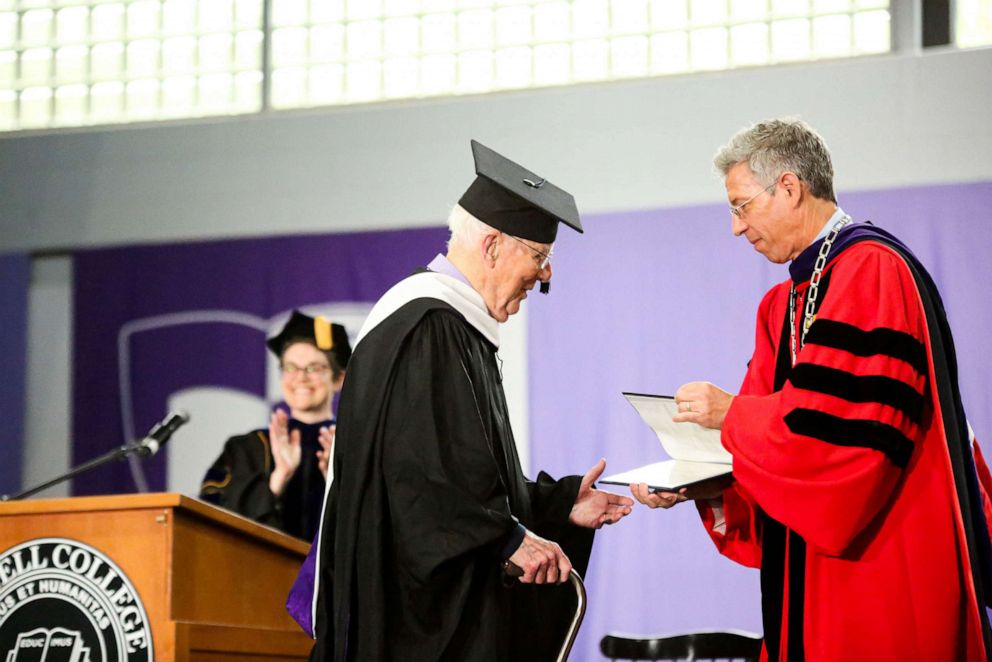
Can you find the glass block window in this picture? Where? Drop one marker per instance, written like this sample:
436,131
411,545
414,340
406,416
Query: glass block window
348,51
972,23
78,62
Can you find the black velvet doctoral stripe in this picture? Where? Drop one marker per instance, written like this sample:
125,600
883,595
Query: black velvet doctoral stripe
854,388
883,341
851,432
795,648
772,584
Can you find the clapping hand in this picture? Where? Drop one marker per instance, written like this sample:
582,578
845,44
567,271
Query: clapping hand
326,439
286,451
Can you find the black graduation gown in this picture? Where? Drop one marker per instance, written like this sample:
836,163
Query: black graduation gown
427,490
239,480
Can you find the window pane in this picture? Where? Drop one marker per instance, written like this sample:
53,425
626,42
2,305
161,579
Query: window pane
362,81
707,12
142,18
790,39
973,23
71,105
438,33
327,43
142,58
107,22
437,74
513,26
670,52
36,27
590,18
590,60
475,71
401,36
629,16
70,25
551,21
147,59
289,87
708,48
400,77
364,40
552,64
8,29
832,35
668,15
748,10
629,56
8,69
107,102
749,44
871,32
36,107
141,99
36,66
513,67
475,29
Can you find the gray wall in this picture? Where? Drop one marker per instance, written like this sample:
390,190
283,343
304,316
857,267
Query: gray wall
891,121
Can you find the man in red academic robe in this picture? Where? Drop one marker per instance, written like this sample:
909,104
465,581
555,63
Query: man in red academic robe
855,485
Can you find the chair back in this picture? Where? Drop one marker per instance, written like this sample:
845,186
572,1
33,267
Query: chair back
692,646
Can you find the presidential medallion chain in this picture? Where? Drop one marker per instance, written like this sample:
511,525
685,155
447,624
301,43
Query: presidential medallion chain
814,284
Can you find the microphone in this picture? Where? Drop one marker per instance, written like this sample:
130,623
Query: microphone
161,432
545,286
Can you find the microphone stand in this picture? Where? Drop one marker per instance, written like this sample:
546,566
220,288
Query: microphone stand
116,454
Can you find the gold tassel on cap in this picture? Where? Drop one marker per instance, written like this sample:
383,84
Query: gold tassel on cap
322,333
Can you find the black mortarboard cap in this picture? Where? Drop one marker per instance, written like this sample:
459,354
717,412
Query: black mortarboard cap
325,335
511,198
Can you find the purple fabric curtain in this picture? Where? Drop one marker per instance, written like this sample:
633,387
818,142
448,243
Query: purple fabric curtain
258,277
646,301
15,274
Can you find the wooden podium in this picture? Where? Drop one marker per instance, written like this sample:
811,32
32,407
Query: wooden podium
213,584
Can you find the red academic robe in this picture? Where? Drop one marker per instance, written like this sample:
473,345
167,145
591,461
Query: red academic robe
844,493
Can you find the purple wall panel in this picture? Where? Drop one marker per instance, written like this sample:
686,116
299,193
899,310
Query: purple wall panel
15,274
645,301
259,277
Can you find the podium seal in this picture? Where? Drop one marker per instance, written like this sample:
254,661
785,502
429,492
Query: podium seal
65,601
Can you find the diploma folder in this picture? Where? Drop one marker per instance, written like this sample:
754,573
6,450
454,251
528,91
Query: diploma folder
696,452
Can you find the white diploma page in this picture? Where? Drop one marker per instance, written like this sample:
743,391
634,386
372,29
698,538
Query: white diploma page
696,452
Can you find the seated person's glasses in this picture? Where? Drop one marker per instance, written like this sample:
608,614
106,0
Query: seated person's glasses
290,369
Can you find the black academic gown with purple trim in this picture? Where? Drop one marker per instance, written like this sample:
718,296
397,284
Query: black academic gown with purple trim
428,489
239,481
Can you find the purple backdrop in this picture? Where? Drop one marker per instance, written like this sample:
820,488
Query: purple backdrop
260,277
15,273
646,301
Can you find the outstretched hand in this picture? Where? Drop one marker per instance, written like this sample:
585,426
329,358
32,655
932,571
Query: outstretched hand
705,490
593,508
652,499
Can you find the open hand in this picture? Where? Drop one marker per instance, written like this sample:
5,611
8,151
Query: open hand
593,508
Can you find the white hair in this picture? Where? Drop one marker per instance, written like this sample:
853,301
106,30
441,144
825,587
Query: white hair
465,228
